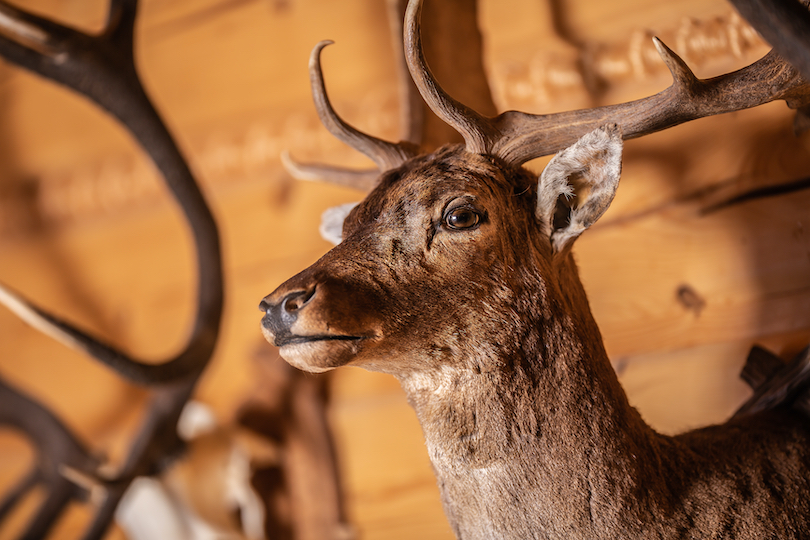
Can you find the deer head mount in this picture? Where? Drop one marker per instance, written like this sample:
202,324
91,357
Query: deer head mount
455,274
433,226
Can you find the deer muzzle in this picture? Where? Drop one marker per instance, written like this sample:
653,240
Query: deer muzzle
303,323
281,315
287,323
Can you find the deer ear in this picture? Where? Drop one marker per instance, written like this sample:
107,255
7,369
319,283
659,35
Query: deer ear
332,219
578,185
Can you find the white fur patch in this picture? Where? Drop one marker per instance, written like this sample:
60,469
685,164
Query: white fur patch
332,219
196,419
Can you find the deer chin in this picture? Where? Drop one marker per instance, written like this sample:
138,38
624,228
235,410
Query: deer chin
317,353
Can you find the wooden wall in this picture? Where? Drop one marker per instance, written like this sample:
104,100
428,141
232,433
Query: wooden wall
681,288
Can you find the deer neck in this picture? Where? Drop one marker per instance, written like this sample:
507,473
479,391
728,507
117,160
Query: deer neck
543,440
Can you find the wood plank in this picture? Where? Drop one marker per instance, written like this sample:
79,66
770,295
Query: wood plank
389,482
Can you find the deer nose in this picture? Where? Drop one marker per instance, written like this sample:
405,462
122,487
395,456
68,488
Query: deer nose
282,315
296,300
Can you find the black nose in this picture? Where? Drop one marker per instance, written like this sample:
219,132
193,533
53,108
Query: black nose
281,316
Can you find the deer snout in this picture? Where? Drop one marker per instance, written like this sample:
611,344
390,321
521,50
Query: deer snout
281,315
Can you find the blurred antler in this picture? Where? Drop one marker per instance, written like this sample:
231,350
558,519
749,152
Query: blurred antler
66,458
102,68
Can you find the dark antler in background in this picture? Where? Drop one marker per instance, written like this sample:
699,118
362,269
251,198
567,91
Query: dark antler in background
102,68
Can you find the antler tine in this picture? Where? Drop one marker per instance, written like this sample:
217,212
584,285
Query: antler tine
412,121
525,136
478,131
30,31
361,179
682,76
18,491
102,68
120,27
74,338
385,154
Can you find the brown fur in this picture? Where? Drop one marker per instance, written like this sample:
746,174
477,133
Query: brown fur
490,334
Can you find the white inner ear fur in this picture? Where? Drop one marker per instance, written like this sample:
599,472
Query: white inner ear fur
332,219
589,170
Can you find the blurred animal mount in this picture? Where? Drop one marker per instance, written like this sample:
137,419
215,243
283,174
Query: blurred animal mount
455,275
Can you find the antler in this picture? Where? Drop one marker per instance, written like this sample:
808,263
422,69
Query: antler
518,137
472,126
102,68
391,154
385,154
66,456
362,179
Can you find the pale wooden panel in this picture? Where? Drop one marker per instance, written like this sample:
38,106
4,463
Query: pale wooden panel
389,483
748,264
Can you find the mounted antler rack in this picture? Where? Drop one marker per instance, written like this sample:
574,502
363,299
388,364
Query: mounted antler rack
102,68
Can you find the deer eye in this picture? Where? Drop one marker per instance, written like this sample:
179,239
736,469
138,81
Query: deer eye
462,217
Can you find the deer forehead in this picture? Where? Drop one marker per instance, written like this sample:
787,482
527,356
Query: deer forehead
416,194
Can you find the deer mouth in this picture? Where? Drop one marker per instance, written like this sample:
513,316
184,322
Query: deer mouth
291,339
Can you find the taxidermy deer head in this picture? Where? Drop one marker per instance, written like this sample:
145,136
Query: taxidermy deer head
455,275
